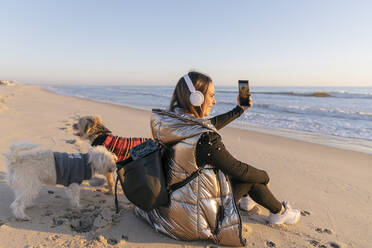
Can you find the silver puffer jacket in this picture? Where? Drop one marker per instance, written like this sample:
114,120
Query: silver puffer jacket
204,208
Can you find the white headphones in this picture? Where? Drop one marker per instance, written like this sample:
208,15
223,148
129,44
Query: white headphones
196,97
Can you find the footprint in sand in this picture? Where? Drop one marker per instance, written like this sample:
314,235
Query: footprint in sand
67,126
305,213
53,237
331,244
314,242
323,230
112,241
73,141
67,122
77,142
270,244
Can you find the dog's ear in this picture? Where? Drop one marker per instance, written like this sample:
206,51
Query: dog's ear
89,124
97,120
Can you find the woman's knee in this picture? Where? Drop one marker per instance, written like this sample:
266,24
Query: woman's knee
267,178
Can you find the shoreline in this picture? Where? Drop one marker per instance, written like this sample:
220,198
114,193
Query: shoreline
331,186
349,144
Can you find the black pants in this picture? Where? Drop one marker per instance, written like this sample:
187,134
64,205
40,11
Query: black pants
260,193
245,179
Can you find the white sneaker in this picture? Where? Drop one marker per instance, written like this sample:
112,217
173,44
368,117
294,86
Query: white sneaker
246,203
289,216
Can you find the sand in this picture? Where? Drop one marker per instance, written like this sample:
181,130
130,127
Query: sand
331,186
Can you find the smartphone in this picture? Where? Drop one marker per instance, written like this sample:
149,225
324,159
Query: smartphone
244,92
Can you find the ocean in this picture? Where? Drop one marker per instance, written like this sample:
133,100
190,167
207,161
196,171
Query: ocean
335,116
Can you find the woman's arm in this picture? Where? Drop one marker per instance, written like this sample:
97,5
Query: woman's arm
211,150
220,121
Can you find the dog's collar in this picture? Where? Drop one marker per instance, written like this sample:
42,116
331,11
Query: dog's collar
99,140
99,131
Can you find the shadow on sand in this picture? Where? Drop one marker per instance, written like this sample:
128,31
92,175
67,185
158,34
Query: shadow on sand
52,213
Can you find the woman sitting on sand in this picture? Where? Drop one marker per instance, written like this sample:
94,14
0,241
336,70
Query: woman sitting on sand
212,180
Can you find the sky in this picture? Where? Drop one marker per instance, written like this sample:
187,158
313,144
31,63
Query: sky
271,43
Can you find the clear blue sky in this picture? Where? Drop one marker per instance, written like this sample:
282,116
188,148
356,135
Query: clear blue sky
297,42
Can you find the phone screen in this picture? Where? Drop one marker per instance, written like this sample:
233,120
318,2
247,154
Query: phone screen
244,92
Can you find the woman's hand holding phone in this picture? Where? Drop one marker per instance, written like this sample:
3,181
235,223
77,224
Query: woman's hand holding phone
242,106
244,98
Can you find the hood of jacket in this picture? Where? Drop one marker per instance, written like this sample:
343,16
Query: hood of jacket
172,127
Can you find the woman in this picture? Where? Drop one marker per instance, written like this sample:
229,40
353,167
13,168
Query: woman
209,180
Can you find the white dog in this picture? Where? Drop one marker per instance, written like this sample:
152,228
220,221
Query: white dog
28,169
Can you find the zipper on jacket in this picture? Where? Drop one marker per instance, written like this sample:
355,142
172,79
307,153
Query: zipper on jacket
243,241
221,210
218,220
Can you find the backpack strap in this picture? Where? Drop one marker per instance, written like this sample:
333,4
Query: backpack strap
188,179
119,166
116,195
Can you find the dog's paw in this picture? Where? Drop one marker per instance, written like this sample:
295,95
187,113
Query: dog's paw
109,192
22,217
19,213
96,182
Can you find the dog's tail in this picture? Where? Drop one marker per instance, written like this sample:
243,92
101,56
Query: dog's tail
12,157
16,148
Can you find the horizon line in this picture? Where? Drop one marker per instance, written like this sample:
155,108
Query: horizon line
217,85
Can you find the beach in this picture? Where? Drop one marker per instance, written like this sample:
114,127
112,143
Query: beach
331,186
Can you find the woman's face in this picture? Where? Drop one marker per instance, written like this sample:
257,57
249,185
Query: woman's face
209,100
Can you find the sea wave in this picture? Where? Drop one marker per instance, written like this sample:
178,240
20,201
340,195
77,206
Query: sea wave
115,91
306,110
335,113
286,93
226,91
337,94
290,93
140,92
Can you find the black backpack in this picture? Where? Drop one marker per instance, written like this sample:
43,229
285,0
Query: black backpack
142,176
